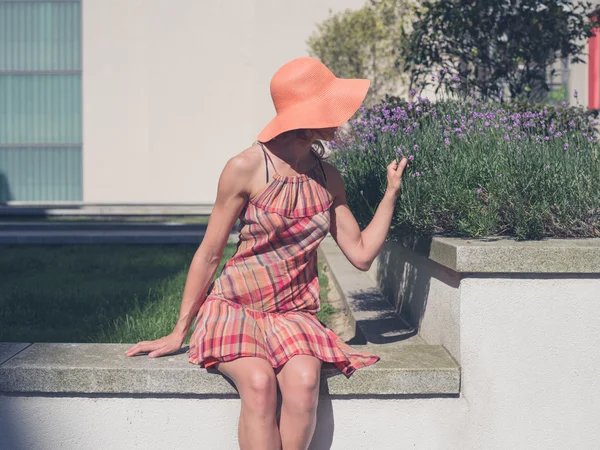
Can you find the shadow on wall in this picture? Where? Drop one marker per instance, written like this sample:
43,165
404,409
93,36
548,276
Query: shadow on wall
323,436
13,427
5,193
404,274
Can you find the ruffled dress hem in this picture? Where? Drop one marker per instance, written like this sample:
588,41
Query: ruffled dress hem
345,366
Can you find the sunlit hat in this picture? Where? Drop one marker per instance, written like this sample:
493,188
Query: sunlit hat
307,95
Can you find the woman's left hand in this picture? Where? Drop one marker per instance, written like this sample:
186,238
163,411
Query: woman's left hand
394,175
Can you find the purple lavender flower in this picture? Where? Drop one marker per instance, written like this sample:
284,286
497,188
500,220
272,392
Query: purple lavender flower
547,138
417,174
507,137
411,158
499,175
411,92
419,109
547,166
575,93
415,125
479,190
566,147
487,123
416,148
455,78
447,142
445,70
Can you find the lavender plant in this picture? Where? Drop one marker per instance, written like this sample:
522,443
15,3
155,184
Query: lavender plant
476,168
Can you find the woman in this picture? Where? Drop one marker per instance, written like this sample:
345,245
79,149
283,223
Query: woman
256,323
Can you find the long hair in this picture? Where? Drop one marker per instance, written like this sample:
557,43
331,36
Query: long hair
317,147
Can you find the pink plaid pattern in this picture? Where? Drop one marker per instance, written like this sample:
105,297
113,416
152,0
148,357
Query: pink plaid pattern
264,302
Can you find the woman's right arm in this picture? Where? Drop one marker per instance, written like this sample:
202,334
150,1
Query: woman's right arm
232,195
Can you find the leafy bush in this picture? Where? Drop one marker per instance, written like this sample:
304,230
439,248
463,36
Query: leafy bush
365,43
476,168
495,44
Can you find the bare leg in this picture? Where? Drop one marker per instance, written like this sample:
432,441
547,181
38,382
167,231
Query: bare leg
257,385
299,381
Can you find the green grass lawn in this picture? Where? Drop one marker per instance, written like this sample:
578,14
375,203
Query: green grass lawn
96,293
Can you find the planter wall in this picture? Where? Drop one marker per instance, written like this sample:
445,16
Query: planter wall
522,318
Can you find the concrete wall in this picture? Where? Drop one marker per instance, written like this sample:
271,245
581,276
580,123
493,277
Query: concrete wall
530,361
527,344
79,423
425,293
171,90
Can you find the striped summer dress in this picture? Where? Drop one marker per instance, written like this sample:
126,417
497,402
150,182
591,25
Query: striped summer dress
264,302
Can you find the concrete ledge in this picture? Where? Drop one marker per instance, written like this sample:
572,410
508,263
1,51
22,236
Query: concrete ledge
503,255
51,368
374,317
82,209
10,349
386,333
71,233
81,233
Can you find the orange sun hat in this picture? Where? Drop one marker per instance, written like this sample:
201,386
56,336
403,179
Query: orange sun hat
306,94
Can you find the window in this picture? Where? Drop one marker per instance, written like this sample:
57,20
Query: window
559,82
40,101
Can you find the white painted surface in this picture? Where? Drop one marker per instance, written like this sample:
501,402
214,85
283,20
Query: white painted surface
528,347
172,90
43,423
530,360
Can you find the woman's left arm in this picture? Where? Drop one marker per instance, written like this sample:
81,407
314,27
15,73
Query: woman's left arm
361,248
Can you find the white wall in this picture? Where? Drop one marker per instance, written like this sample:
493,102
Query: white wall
530,362
528,346
49,423
171,90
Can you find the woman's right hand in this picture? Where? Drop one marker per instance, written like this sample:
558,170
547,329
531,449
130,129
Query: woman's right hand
171,343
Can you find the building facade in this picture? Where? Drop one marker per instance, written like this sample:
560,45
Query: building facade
144,101
138,101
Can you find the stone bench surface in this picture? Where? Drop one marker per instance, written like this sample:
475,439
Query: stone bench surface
409,369
505,255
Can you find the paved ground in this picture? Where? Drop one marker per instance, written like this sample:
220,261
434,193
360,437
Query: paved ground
100,210
65,233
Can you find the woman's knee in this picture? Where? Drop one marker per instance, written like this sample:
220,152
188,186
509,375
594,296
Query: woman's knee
259,391
302,389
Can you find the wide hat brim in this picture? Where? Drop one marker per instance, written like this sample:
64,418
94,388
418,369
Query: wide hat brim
332,108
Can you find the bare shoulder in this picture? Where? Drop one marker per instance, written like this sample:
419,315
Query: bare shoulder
241,169
244,163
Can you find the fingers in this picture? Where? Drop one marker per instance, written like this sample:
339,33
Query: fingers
156,353
143,347
399,167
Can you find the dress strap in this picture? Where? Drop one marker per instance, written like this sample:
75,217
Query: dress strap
266,163
322,169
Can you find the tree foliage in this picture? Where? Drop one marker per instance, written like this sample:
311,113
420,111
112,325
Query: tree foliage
492,44
365,43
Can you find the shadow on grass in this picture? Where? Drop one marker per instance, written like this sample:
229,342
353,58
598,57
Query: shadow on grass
95,293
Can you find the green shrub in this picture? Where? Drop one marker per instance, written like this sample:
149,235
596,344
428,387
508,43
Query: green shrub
477,169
